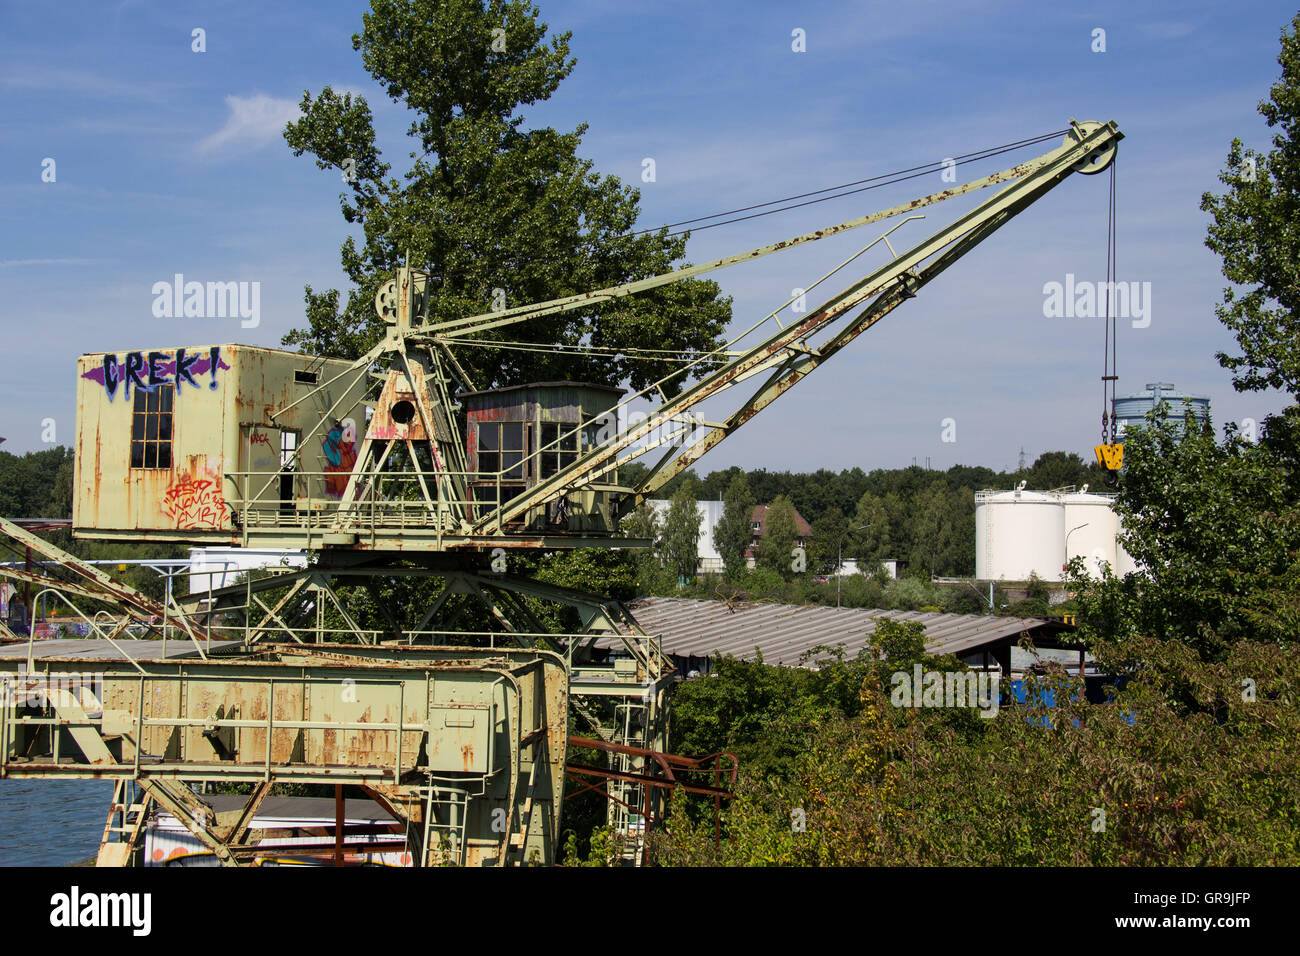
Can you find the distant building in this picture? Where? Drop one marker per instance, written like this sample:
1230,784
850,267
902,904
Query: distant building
850,566
758,528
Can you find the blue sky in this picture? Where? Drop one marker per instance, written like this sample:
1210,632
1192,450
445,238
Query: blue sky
170,161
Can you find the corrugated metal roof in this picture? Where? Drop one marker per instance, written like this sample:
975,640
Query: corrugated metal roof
784,632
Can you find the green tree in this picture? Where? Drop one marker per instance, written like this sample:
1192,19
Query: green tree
934,544
681,537
780,531
900,525
829,532
37,484
871,543
734,530
1251,231
644,523
1216,529
489,204
609,572
1056,469
62,489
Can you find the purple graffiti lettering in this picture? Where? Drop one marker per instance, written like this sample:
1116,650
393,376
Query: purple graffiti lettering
158,373
181,367
148,374
112,375
134,366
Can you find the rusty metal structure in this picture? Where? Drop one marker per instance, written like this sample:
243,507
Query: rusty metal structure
407,657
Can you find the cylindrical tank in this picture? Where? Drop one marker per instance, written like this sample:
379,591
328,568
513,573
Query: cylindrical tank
1131,410
1090,528
1018,533
1124,562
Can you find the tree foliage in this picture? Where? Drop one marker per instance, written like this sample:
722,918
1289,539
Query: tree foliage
830,533
489,203
1215,528
37,484
1252,233
681,536
734,530
1067,784
780,530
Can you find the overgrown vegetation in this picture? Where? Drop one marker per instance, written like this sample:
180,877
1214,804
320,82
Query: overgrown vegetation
1195,757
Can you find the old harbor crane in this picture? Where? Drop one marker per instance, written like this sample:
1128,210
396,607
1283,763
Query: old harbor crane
452,712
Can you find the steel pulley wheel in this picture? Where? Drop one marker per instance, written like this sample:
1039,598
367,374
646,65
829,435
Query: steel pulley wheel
386,301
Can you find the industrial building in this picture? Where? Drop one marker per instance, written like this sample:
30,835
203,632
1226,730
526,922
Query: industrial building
214,568
1021,532
694,632
168,439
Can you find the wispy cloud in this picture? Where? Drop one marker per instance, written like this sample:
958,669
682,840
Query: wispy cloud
81,83
15,263
253,121
1173,29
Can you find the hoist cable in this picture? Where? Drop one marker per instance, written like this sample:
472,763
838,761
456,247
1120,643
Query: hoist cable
876,182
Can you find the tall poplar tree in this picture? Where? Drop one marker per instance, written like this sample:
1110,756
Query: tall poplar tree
734,530
681,536
500,213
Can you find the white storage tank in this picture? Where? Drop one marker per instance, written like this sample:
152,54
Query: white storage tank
1018,533
1124,562
1090,526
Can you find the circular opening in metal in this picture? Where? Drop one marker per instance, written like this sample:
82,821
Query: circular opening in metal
402,412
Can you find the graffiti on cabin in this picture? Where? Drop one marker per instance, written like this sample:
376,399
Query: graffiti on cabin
194,503
149,370
340,449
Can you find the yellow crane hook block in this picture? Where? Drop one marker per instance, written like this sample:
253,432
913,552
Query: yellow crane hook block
1110,457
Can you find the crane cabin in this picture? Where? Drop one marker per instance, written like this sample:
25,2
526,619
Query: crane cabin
520,435
169,440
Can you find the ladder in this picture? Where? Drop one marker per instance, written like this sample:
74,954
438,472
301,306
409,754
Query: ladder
629,808
444,826
126,817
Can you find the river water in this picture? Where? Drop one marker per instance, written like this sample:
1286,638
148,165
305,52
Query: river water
51,822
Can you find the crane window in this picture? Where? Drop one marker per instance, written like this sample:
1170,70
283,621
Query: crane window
558,448
151,428
501,448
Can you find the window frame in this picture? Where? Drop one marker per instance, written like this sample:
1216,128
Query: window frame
551,460
153,414
501,456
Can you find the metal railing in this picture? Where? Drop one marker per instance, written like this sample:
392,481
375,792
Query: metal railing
387,500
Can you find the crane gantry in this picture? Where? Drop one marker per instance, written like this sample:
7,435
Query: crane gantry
417,402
